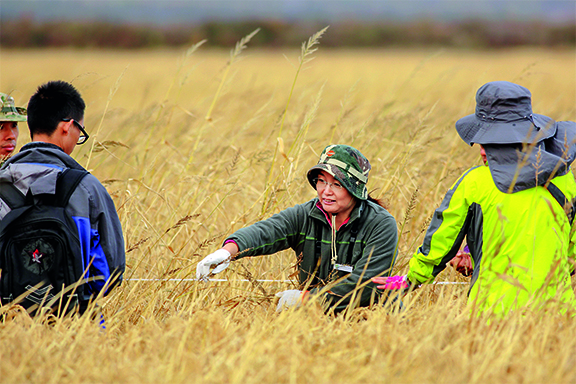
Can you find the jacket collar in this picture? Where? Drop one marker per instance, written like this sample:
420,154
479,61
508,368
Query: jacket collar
41,152
318,213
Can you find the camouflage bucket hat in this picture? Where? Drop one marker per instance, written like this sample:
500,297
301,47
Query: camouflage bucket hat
347,165
9,112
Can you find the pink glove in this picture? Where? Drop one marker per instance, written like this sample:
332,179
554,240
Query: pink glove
392,282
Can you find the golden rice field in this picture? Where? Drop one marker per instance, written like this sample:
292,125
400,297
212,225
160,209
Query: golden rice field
182,182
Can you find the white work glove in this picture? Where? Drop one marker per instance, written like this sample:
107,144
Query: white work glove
288,299
220,258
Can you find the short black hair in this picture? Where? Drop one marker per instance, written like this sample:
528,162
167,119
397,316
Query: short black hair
53,102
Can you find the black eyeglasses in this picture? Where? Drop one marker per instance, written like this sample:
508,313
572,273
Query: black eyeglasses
83,134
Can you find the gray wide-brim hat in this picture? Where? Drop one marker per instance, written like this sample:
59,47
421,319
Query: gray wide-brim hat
504,116
347,165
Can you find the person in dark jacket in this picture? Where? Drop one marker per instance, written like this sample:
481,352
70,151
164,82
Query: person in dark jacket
55,120
342,238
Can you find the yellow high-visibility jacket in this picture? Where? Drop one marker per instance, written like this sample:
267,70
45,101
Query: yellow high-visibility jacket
521,243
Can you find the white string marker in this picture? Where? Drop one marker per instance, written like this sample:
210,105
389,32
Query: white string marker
179,280
269,281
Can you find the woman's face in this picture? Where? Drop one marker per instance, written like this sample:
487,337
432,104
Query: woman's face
335,199
8,137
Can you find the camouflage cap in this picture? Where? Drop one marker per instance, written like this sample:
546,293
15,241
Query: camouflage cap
347,165
9,112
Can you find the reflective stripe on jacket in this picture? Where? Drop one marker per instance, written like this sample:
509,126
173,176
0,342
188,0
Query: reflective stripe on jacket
520,243
295,227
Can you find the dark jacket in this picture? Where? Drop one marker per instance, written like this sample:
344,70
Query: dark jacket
35,168
304,226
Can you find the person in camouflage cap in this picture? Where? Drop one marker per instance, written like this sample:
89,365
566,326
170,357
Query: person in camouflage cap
341,238
10,116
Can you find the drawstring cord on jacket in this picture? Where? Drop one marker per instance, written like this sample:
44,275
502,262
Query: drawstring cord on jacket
333,241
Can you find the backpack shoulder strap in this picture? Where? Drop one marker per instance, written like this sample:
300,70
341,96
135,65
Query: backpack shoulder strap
66,184
12,195
568,206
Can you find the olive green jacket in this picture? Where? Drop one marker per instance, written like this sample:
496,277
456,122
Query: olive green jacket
305,226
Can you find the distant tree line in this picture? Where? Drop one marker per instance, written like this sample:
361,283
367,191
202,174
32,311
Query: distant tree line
26,33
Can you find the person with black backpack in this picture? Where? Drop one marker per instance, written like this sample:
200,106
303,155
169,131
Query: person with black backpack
61,241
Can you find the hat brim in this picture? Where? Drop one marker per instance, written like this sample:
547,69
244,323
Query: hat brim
476,131
359,191
17,114
313,173
13,118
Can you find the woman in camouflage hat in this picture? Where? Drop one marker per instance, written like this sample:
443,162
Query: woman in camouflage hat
341,238
9,118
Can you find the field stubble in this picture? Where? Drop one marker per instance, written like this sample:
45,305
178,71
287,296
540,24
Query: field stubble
182,182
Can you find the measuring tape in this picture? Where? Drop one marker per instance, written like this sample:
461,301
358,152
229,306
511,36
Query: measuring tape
179,280
268,281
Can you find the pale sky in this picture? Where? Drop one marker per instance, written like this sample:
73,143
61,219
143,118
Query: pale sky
174,11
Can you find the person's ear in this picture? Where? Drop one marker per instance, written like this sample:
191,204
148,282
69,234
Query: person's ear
65,126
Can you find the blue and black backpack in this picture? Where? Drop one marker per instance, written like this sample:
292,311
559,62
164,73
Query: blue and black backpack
40,252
